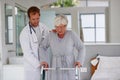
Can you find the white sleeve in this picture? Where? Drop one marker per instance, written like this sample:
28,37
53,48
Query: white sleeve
28,53
43,49
45,31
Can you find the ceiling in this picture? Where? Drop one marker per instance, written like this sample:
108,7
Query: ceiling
45,2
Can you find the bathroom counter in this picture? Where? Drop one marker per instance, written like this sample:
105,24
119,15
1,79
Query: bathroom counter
13,72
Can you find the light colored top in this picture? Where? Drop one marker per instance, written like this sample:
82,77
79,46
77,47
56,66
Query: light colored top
63,54
63,46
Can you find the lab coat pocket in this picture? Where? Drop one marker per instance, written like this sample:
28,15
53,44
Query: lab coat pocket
35,44
34,38
35,48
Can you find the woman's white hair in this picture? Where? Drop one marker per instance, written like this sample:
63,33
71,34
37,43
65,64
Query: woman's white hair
61,19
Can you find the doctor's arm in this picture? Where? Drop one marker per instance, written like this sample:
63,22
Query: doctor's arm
28,52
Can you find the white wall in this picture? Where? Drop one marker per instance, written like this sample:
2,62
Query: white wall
47,17
1,43
2,26
0,34
115,21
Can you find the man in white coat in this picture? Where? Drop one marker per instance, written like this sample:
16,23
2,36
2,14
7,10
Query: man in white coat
30,40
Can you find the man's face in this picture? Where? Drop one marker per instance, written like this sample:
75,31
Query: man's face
34,19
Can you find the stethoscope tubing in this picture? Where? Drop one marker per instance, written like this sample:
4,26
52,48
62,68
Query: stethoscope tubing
31,28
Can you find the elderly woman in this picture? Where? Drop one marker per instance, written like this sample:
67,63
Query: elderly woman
62,43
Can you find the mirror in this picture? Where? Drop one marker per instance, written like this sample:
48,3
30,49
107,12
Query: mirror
8,24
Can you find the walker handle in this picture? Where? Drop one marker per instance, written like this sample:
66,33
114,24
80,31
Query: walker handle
42,68
76,73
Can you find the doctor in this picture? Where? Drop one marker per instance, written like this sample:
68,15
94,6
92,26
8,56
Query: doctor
30,39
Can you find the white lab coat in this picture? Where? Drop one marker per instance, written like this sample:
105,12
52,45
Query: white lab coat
29,44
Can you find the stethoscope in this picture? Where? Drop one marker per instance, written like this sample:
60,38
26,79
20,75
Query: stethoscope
35,39
31,28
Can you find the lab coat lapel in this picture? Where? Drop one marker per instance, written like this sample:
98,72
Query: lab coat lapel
34,37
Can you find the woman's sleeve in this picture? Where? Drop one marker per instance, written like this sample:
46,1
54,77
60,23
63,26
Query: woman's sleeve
43,49
78,44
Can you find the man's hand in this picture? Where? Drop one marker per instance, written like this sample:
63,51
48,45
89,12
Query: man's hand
54,30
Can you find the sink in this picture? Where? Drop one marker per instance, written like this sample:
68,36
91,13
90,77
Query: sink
16,60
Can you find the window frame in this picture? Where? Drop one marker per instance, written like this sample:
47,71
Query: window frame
93,27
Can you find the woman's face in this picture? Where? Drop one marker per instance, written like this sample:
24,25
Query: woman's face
61,29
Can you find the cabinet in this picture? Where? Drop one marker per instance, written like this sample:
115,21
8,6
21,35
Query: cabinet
13,72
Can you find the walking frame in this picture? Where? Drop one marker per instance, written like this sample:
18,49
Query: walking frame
77,71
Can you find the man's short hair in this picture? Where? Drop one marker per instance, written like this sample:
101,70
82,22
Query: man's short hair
33,10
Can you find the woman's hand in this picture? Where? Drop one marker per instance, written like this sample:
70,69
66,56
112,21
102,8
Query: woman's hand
44,64
78,64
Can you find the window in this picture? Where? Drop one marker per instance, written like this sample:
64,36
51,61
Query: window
9,24
93,26
69,26
93,3
10,29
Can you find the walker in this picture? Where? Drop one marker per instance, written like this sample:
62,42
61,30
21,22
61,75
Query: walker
77,71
